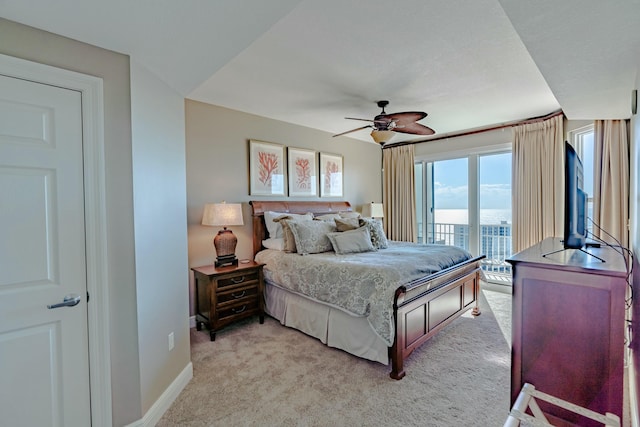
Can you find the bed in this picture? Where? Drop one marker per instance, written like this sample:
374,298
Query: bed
418,307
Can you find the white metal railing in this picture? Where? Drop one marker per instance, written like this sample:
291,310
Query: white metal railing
495,243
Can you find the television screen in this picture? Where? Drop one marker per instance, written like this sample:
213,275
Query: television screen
575,201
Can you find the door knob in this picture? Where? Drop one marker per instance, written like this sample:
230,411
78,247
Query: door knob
68,301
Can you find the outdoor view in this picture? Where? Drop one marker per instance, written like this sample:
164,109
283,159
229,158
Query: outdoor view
449,185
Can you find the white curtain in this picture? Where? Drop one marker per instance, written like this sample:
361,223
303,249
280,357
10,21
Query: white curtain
611,181
538,182
399,194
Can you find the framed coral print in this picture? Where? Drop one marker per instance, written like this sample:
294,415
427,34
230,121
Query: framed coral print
267,169
331,175
302,172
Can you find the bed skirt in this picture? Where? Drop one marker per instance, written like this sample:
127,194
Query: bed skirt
332,326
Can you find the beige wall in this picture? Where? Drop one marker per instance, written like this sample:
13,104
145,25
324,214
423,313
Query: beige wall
218,168
160,223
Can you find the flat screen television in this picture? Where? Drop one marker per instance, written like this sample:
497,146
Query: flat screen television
575,201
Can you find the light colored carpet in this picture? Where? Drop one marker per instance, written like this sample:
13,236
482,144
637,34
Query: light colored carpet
270,375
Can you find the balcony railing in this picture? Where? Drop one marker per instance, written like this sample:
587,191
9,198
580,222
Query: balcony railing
495,244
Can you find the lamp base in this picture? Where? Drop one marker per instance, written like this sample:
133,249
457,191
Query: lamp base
225,244
223,261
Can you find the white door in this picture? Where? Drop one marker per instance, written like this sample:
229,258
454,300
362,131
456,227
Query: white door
44,356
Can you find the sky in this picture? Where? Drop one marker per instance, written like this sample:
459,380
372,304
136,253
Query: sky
451,187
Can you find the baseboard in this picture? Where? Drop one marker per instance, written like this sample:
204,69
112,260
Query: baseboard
505,289
192,322
158,409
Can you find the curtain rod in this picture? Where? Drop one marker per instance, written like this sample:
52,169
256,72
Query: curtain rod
475,131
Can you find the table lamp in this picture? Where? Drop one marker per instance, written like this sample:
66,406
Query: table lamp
373,210
224,214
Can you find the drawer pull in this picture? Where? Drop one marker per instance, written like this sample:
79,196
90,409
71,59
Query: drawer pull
240,280
240,295
239,310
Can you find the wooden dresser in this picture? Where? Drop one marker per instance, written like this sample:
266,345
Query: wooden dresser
568,328
227,294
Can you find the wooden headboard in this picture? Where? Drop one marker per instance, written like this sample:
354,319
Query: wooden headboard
259,207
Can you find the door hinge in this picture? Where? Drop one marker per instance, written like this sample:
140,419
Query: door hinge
87,296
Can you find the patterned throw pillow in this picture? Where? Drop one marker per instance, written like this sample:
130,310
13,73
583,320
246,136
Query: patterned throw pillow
378,238
311,236
287,236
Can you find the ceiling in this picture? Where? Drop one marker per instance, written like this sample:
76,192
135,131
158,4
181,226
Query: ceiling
468,64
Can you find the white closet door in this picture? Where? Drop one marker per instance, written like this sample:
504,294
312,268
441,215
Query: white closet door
44,356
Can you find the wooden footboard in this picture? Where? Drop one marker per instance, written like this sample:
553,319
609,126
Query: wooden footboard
427,305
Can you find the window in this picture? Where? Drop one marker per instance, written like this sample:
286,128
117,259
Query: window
582,140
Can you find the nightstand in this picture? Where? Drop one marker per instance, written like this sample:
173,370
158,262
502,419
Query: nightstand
227,294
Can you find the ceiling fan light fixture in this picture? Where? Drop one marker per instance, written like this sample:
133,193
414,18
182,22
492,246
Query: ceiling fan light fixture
386,125
382,136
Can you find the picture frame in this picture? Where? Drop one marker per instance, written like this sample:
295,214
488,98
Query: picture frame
302,172
267,169
331,175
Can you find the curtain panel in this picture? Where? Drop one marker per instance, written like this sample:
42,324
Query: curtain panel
399,194
611,181
538,182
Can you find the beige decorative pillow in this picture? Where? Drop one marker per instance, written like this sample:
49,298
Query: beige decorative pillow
350,214
346,224
352,241
327,217
289,240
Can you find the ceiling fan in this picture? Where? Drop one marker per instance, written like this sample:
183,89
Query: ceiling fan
404,122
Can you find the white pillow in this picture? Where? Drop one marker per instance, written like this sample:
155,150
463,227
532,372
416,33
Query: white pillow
275,228
274,243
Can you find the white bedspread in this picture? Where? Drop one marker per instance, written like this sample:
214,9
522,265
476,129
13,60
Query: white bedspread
362,284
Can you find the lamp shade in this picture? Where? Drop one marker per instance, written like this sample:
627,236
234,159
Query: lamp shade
223,214
382,136
373,210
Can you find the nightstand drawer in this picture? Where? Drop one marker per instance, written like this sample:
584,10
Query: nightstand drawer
242,309
249,292
237,279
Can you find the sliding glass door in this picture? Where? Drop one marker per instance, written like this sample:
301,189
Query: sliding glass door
495,215
466,202
450,222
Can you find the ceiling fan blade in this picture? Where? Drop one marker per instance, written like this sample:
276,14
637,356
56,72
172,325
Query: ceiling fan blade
403,117
414,128
352,130
354,118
